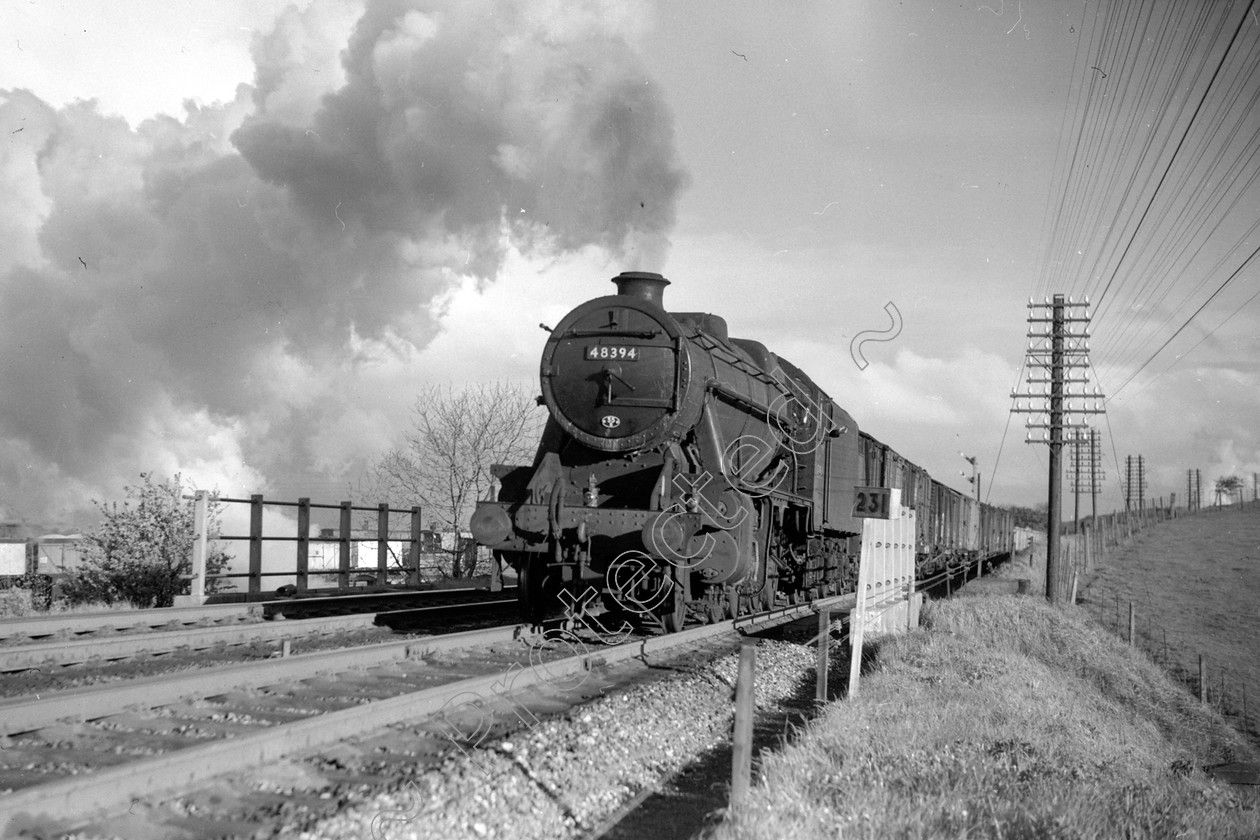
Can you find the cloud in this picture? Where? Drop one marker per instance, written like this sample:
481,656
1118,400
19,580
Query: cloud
203,293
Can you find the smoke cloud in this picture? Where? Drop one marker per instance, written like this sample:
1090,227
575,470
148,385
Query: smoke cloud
195,294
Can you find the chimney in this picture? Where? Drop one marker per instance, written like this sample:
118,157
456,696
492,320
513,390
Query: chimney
642,284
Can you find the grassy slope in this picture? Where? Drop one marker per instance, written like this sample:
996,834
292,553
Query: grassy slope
1195,583
1005,717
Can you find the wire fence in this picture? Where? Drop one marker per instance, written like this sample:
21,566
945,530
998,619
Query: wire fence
1231,691
1223,688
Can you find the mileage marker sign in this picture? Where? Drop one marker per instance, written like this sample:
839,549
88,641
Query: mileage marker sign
872,503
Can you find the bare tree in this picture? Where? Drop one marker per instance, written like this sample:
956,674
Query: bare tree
1227,485
444,462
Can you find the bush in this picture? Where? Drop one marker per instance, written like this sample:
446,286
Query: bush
141,553
15,603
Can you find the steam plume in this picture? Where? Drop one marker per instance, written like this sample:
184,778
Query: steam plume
185,294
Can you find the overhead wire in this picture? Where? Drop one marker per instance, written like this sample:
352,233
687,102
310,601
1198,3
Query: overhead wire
1049,220
1194,187
1187,322
1146,210
1205,337
1149,182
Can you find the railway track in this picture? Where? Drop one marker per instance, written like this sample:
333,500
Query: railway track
165,619
107,649
71,625
65,759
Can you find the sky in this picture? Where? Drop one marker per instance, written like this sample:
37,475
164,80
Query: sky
241,235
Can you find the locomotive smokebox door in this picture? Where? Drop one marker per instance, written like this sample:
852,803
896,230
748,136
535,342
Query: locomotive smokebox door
614,370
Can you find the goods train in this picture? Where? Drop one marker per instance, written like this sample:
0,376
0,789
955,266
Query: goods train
683,474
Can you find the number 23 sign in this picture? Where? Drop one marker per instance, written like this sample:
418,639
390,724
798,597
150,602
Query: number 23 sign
871,502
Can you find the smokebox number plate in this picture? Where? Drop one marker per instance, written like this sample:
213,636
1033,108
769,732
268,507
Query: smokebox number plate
611,352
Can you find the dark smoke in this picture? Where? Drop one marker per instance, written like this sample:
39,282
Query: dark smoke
181,295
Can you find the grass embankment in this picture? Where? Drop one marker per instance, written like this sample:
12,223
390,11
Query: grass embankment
1005,717
16,603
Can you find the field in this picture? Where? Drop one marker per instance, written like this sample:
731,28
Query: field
1195,586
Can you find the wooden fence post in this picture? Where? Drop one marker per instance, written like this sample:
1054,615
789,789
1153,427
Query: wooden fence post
303,544
201,544
255,543
343,548
741,756
382,544
1131,624
1202,679
413,555
824,654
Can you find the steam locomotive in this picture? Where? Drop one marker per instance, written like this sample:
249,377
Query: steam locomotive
683,474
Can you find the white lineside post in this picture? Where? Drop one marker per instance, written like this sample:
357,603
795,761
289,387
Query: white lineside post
886,562
201,542
911,612
857,620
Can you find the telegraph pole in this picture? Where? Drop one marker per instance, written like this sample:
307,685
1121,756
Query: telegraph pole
1087,472
1128,482
1055,502
1058,348
1141,468
1076,481
1135,482
1094,475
